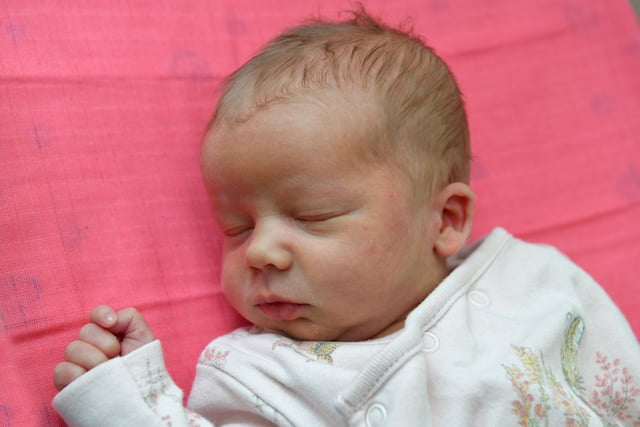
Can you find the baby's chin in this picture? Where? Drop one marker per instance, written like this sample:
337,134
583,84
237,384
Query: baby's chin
304,330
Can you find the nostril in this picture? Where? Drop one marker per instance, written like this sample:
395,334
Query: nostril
281,260
278,258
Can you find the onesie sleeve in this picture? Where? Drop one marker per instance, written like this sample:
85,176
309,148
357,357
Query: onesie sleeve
132,390
601,356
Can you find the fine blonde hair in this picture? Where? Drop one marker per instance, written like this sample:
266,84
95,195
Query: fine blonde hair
423,126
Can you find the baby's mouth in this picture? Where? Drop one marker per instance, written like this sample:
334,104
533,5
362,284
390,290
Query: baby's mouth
280,310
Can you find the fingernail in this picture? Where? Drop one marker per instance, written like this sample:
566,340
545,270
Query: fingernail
110,318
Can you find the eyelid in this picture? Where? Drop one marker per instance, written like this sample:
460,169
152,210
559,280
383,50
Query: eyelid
232,223
319,216
236,231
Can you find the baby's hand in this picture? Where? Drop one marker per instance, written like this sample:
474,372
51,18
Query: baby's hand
107,335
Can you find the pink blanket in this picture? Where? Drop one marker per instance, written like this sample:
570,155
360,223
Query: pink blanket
103,105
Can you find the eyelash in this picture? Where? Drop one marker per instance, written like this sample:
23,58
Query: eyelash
316,218
304,219
234,232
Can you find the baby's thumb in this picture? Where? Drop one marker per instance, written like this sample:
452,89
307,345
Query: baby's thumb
133,330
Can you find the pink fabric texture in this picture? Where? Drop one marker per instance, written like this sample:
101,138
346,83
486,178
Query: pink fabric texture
103,105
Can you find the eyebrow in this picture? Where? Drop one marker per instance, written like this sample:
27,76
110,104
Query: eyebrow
328,185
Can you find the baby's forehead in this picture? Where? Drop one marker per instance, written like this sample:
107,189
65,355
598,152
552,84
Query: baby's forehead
316,121
251,99
349,109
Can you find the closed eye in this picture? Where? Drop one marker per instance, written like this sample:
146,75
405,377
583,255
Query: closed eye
321,217
317,217
236,231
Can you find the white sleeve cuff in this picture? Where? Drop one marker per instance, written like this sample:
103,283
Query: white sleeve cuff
111,395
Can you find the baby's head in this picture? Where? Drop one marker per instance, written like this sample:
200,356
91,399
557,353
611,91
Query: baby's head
337,163
389,79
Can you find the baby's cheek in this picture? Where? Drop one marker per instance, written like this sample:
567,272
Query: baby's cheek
370,241
399,232
230,278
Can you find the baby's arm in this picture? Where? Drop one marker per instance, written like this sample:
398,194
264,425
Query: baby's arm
100,389
107,335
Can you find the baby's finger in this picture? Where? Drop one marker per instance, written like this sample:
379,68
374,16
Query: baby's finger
134,330
65,372
100,338
104,316
84,354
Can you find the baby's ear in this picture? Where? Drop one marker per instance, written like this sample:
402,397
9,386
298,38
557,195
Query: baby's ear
455,204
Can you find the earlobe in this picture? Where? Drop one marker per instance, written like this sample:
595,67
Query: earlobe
456,205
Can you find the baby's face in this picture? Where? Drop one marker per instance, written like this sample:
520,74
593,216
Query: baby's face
316,246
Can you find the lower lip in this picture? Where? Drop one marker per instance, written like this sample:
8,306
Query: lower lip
280,310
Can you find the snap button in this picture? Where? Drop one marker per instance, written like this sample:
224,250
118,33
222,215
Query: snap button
430,342
376,415
479,298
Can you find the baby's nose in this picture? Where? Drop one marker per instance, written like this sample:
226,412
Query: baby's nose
268,246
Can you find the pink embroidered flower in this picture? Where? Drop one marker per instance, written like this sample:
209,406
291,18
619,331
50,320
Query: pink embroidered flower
541,411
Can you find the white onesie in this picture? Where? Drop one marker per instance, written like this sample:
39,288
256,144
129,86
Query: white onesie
515,335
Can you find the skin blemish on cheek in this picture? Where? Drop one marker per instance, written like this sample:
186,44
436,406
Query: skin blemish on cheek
373,248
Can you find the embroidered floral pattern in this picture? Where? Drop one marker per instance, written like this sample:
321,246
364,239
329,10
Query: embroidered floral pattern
212,357
157,383
539,392
313,350
569,352
266,410
157,386
614,391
